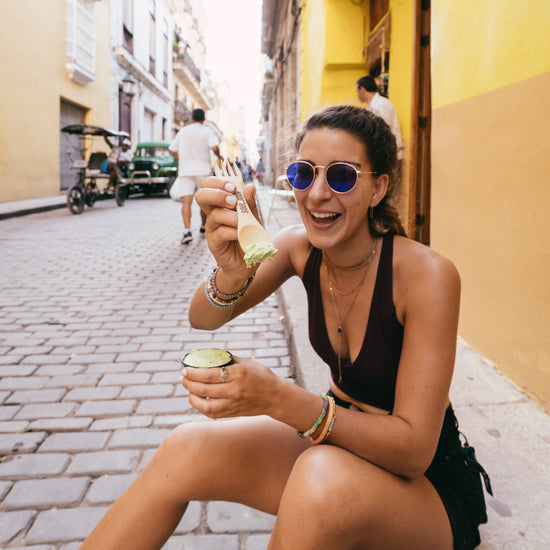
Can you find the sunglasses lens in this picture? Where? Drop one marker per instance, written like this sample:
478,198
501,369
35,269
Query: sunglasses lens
341,177
300,175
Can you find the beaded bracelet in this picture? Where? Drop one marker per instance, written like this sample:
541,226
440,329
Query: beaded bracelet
214,300
329,423
319,420
219,299
227,297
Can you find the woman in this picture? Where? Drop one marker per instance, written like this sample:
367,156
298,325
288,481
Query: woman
383,313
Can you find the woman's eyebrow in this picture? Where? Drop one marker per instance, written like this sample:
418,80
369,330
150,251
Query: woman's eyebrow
352,162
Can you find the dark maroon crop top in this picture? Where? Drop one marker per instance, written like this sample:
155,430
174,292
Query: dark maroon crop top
371,378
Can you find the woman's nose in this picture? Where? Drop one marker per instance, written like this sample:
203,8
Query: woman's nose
319,189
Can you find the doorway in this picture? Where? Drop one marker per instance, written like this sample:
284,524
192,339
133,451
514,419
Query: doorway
421,124
69,145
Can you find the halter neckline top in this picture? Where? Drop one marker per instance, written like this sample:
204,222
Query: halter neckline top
371,378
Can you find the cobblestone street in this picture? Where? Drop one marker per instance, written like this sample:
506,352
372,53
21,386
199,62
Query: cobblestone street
93,323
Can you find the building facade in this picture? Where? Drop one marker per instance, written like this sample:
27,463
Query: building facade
470,85
490,166
54,73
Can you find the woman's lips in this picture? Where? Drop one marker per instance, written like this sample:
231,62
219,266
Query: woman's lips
323,218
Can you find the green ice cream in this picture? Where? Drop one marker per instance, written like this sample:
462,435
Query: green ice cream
207,358
257,253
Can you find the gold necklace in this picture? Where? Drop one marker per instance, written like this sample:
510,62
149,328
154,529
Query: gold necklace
340,320
365,261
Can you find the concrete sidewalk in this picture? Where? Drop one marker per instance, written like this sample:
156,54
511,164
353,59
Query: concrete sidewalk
510,433
14,209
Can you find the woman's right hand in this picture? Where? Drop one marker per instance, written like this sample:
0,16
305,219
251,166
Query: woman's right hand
217,199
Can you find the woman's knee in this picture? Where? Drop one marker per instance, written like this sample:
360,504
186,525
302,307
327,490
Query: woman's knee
326,482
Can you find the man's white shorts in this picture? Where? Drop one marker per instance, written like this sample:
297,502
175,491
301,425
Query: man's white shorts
185,185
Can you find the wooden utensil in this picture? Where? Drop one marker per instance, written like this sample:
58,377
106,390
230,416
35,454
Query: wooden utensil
249,229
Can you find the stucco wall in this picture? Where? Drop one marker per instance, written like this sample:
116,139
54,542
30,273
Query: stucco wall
490,191
34,80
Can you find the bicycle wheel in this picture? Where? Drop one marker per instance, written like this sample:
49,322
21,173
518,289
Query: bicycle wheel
75,199
120,194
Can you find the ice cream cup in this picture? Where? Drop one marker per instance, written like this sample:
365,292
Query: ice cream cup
207,358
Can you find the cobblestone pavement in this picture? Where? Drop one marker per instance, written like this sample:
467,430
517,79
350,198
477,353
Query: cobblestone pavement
93,322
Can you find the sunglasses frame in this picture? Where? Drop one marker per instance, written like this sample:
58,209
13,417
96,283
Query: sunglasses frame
316,166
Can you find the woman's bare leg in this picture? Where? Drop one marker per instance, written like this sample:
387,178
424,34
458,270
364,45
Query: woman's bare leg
334,499
244,460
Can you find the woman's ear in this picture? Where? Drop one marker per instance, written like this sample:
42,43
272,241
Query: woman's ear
380,189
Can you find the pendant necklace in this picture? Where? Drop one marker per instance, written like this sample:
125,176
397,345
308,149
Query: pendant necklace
332,288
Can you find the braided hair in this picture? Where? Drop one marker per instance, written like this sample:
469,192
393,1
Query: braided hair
381,150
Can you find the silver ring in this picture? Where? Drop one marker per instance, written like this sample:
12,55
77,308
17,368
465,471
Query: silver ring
223,374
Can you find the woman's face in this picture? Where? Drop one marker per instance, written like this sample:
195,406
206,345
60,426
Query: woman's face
331,218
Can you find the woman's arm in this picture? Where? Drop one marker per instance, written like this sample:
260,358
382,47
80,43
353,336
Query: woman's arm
426,295
217,200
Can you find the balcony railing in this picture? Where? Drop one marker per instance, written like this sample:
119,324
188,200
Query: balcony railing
186,59
181,111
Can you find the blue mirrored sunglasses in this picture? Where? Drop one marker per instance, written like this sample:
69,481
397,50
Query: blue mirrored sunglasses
341,176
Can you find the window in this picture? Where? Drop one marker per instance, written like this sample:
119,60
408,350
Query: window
165,53
128,25
80,41
152,38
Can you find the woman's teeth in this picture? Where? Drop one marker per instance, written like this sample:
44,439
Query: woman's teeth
324,217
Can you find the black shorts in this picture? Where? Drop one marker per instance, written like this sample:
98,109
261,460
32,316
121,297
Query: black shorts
455,475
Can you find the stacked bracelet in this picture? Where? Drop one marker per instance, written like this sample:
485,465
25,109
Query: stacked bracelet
219,299
329,423
319,420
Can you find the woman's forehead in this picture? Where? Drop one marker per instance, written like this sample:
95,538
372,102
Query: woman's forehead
332,142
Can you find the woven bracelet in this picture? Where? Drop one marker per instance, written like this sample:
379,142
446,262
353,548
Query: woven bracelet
327,428
319,420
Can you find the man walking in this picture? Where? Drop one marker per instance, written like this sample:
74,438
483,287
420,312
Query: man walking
191,147
367,92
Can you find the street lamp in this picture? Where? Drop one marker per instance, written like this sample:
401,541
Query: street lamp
129,85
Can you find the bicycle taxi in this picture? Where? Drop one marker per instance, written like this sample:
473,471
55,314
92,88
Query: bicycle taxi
88,157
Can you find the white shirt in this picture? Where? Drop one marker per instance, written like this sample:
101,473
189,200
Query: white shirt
383,107
193,144
126,156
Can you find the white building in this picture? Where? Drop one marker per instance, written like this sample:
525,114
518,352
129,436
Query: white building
142,35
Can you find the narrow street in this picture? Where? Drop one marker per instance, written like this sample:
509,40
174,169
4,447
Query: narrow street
93,324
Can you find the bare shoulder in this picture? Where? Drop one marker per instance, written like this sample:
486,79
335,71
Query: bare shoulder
422,276
292,241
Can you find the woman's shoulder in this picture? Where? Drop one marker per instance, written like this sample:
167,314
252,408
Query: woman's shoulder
420,271
294,243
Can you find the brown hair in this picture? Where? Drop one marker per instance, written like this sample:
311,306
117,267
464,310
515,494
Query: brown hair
381,150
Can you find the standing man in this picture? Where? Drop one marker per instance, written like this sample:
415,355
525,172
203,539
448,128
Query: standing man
191,147
367,92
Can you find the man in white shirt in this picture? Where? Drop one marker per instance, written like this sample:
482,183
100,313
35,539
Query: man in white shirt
367,92
191,147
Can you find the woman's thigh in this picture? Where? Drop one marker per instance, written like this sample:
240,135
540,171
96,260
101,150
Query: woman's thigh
334,499
246,460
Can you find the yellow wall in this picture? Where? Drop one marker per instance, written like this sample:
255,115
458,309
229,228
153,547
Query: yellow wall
480,46
34,79
334,34
490,191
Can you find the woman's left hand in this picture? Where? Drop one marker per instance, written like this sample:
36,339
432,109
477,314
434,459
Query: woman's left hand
246,391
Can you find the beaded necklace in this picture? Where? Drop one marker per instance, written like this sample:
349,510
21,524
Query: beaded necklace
332,288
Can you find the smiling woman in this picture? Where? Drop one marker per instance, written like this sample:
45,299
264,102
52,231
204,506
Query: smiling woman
376,462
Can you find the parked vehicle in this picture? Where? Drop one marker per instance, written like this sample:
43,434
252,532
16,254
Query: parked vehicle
93,181
153,169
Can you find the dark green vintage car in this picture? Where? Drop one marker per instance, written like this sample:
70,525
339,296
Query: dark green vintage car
153,169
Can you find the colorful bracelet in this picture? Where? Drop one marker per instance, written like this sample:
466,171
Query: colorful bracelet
224,296
219,299
329,423
214,300
319,420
